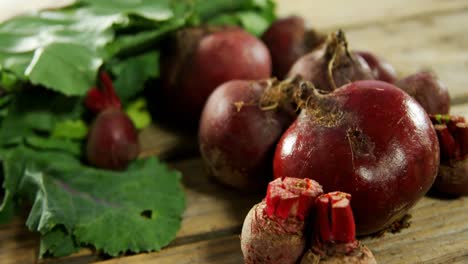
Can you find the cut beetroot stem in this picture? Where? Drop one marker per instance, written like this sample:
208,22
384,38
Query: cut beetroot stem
452,132
461,135
335,221
448,147
98,100
291,197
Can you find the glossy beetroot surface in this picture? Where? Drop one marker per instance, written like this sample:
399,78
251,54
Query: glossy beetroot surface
369,139
381,69
198,60
237,138
428,90
112,140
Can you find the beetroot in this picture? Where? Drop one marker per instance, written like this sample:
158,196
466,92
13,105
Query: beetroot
369,139
381,69
112,139
428,90
274,230
287,40
452,132
197,60
238,131
334,240
331,65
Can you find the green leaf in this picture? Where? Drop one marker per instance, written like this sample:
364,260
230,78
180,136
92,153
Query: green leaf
150,9
5,100
130,43
7,206
134,210
253,22
63,49
138,113
8,81
253,15
57,243
58,144
132,74
36,110
70,129
75,61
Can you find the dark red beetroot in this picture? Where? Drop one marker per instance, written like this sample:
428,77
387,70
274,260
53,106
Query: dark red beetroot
287,40
381,69
274,230
237,136
198,60
428,90
452,132
334,234
331,65
112,139
369,139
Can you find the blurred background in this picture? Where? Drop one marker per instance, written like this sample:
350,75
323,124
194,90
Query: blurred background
411,35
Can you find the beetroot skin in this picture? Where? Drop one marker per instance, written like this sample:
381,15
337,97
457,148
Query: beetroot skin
428,90
112,140
237,137
274,230
369,139
331,65
381,69
198,60
287,40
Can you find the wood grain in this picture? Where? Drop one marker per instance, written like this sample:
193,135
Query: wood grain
430,239
157,140
333,14
436,43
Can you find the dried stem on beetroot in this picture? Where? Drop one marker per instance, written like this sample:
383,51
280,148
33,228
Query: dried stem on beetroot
337,50
331,65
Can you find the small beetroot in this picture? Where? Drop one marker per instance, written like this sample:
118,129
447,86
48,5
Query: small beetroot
381,69
273,231
334,235
452,132
331,65
112,139
239,127
428,90
197,60
287,40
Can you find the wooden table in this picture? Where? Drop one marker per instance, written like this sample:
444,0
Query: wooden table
412,35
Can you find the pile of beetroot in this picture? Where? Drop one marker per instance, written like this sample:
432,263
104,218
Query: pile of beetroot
336,116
